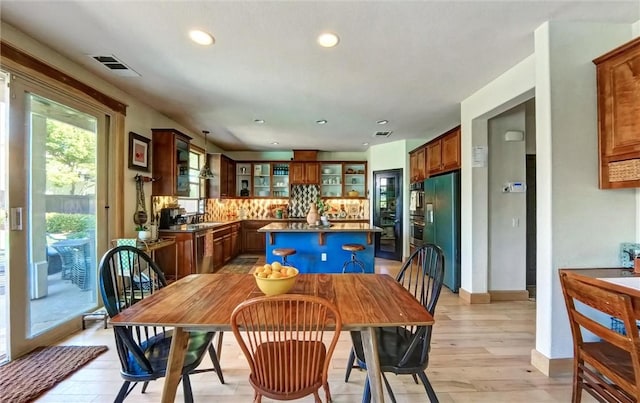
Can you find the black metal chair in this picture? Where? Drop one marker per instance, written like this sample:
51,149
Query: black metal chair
405,350
128,275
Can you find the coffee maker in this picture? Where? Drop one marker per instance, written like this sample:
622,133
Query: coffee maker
170,216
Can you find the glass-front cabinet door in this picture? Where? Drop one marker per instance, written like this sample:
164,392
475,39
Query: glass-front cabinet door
355,179
243,179
280,180
182,167
331,179
261,179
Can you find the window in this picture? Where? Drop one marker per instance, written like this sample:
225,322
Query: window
195,190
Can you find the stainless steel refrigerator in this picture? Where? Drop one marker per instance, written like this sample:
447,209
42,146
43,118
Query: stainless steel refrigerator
442,222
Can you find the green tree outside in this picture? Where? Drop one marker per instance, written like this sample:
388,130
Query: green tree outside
70,159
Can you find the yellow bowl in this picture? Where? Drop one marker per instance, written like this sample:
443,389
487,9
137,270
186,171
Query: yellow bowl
276,286
353,193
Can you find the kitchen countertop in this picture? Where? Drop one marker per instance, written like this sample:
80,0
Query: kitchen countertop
212,225
198,227
304,227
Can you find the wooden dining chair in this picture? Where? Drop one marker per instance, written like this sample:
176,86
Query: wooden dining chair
405,349
608,368
282,338
144,350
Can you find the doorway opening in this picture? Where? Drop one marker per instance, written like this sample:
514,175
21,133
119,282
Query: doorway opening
387,213
531,224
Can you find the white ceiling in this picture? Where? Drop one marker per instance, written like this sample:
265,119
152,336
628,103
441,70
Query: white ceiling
411,63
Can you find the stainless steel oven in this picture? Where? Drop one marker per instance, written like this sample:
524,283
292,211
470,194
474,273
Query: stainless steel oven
416,200
416,214
416,231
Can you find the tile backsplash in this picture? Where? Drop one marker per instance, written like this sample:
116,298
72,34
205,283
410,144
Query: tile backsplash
227,209
301,198
297,206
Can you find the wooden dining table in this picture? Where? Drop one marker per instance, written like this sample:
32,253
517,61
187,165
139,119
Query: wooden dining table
204,302
618,279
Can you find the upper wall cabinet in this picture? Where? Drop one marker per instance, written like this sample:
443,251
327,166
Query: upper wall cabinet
355,179
304,173
443,153
618,76
170,158
417,164
224,182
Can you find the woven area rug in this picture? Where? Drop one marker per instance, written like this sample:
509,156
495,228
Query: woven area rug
30,376
241,265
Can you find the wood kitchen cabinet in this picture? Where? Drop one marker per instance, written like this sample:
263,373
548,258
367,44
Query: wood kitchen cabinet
224,183
186,261
618,81
252,240
222,246
307,173
229,167
170,162
203,251
417,164
218,249
236,244
443,153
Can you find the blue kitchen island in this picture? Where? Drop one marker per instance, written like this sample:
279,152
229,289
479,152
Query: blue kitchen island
319,248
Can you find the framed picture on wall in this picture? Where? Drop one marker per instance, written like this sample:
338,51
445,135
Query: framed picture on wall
138,152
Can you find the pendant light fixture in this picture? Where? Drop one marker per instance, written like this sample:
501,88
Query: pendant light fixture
205,172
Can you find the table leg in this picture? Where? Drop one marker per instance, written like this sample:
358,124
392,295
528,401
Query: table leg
179,342
219,345
370,345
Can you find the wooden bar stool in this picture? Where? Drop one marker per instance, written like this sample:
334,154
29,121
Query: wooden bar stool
356,264
284,252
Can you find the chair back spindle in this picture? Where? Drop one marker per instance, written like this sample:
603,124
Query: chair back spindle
405,349
282,338
127,276
608,369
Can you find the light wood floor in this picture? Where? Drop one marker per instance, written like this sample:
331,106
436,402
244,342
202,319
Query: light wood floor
480,353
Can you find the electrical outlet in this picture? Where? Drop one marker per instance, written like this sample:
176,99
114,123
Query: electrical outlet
323,257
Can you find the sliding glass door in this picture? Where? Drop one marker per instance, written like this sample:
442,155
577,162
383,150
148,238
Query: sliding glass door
54,189
61,210
4,239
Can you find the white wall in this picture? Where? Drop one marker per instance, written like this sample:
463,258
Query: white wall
579,225
507,211
140,117
510,89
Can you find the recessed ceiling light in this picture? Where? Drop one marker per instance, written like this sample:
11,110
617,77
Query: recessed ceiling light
328,39
321,122
275,143
365,144
382,122
259,121
200,37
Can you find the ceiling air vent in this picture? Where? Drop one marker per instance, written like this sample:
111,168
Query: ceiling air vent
116,66
382,134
